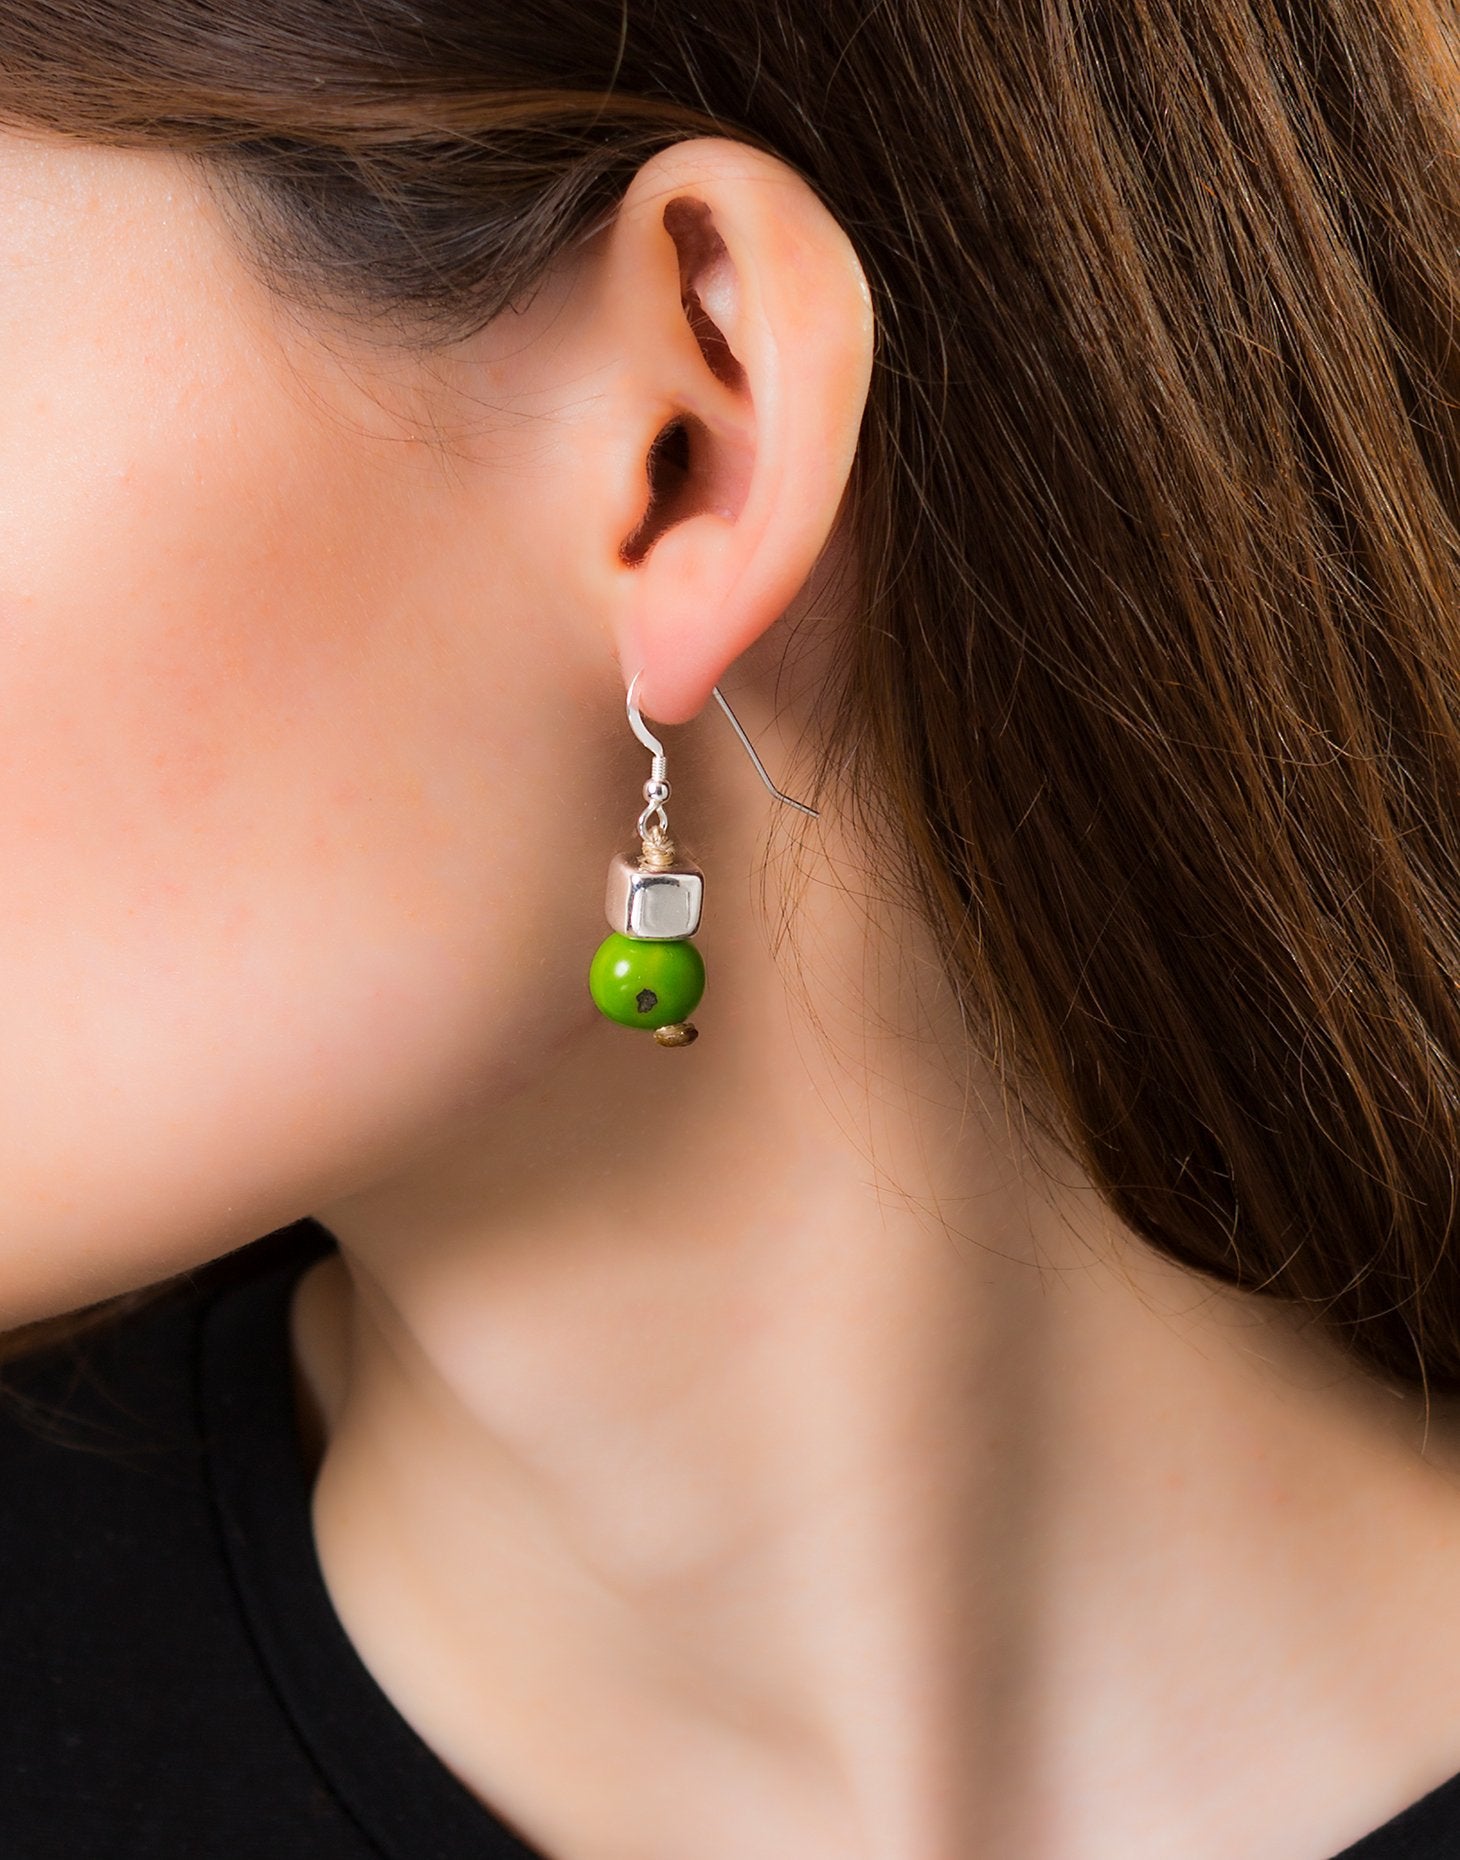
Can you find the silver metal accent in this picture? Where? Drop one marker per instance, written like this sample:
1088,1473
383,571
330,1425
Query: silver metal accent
661,906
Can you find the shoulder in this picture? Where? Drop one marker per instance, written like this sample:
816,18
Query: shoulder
112,1410
130,1673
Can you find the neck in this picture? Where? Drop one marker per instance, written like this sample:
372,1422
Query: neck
716,1457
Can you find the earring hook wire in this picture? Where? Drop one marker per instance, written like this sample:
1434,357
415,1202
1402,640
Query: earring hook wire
656,749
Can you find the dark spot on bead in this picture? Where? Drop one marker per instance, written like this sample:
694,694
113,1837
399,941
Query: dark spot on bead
645,999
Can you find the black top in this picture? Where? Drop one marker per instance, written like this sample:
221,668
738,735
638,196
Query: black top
174,1682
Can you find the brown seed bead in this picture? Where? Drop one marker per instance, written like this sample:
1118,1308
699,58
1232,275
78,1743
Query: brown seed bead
677,1033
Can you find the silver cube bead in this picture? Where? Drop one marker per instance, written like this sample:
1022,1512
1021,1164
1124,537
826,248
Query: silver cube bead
658,905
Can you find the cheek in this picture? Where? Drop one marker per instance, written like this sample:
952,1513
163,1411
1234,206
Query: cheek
272,901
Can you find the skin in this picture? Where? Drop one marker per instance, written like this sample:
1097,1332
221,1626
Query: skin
740,1450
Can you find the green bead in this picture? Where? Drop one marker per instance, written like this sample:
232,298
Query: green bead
646,981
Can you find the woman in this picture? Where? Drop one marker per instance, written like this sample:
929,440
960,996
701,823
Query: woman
991,1393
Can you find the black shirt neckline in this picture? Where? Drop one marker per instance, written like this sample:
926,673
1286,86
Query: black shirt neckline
399,1792
397,1789
1422,1831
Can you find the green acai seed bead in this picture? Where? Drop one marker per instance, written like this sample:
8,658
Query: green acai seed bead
646,981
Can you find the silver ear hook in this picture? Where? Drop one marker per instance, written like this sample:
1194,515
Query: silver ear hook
657,768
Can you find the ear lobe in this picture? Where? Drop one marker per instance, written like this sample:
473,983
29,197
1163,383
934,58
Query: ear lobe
751,359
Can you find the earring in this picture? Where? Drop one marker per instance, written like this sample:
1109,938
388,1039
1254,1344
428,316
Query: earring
646,972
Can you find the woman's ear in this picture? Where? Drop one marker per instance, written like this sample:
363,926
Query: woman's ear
740,329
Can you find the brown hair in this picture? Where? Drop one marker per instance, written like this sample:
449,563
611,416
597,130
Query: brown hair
1154,663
